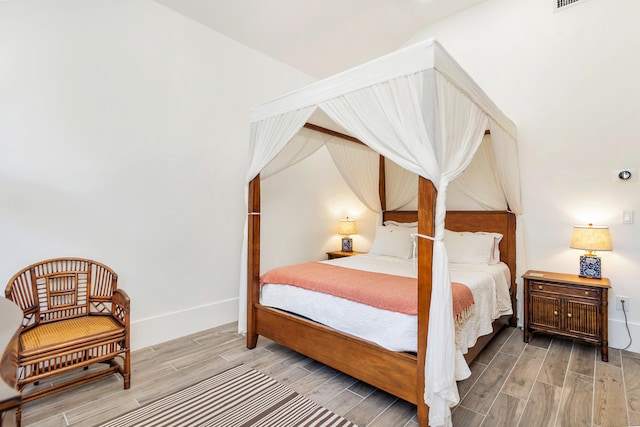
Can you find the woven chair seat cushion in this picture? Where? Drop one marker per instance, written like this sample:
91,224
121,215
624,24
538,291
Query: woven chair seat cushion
62,332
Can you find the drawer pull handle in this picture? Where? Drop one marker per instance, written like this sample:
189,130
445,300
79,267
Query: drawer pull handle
539,286
586,293
555,312
568,314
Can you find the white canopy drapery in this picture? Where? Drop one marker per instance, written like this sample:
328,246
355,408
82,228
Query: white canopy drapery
401,186
480,182
359,166
419,109
302,145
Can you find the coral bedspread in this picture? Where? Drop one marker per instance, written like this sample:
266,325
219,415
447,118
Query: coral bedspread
385,291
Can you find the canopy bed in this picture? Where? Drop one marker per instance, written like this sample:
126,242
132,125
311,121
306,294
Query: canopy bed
419,109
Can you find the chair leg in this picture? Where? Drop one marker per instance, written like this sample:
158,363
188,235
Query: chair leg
18,416
124,369
127,370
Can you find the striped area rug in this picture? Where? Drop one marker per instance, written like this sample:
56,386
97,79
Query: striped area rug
238,397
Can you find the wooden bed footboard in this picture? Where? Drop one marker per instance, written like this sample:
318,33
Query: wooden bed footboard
393,372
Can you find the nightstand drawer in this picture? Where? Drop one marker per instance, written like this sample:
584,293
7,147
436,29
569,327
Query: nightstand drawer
565,290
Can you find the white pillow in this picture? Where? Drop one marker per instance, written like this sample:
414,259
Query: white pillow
472,248
394,241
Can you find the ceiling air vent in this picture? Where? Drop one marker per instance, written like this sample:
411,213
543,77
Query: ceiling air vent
563,4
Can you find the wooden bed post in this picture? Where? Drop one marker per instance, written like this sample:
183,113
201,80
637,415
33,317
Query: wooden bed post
253,260
426,226
382,184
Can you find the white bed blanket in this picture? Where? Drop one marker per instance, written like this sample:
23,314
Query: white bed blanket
397,331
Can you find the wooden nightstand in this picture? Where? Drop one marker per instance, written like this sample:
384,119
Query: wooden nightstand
342,254
567,305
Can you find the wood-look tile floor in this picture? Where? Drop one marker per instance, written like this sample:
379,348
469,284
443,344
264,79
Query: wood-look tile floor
548,382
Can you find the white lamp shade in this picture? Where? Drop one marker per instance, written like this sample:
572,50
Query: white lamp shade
591,238
347,227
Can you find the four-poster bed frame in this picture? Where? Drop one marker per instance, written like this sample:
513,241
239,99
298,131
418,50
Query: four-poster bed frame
398,373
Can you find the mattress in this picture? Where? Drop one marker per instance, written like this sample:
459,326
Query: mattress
397,331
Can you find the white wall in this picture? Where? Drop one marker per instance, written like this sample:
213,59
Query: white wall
123,138
569,80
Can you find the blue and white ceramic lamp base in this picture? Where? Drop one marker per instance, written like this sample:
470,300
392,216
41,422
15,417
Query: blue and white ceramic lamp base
347,244
590,266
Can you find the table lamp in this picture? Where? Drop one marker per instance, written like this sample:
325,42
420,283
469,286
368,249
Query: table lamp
591,238
346,228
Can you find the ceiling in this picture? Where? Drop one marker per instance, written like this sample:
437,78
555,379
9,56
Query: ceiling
319,37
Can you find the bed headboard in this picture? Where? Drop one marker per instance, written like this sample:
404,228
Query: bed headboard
502,222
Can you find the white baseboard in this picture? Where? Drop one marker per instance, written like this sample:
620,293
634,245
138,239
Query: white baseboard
157,329
619,337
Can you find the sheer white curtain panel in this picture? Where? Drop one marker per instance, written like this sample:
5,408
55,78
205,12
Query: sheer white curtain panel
388,118
505,151
506,155
401,185
480,181
268,137
359,166
302,145
460,126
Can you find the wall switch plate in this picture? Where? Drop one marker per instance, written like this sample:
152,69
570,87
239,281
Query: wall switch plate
627,217
619,299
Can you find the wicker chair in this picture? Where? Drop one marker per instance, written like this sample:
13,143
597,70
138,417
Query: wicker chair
74,316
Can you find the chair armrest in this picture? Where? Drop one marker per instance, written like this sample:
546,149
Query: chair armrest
121,307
